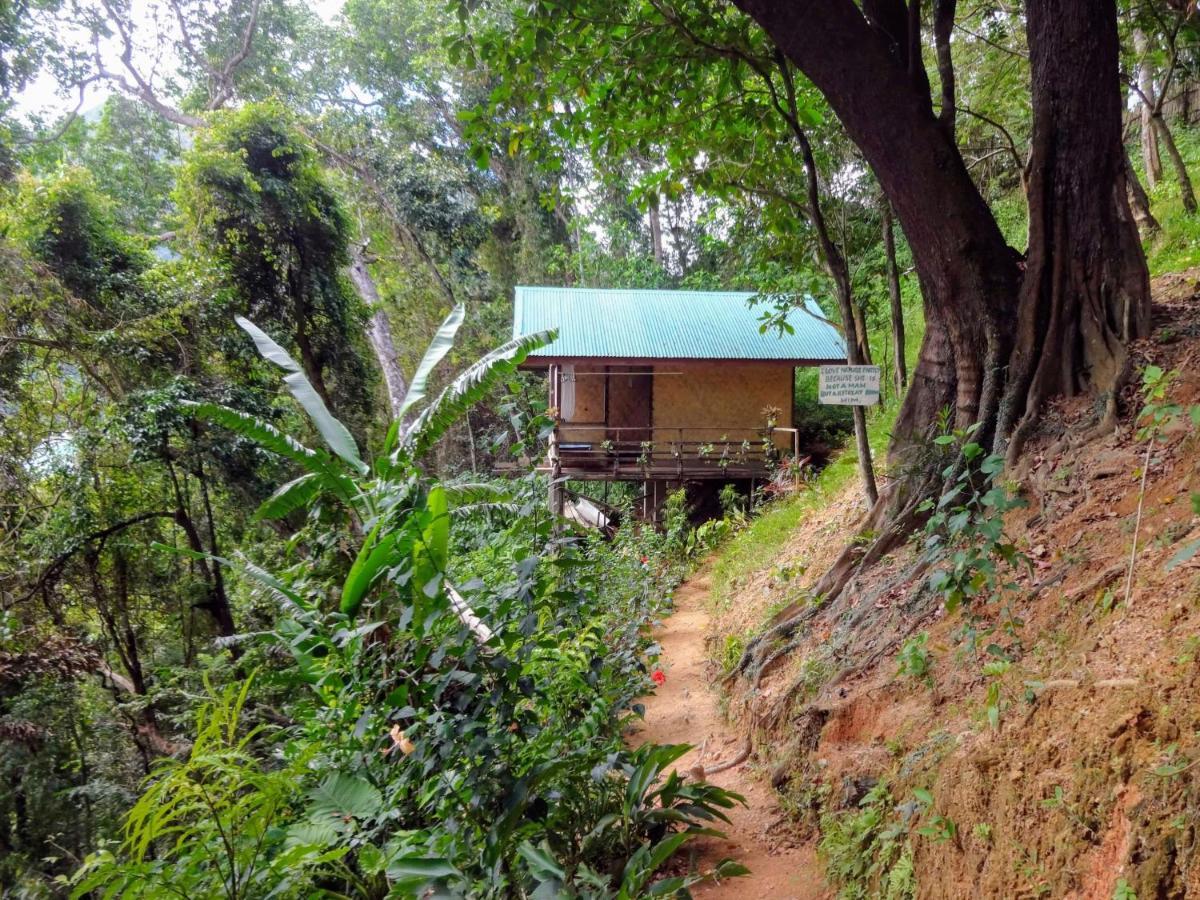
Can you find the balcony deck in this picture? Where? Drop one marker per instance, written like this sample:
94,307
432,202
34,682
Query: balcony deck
662,454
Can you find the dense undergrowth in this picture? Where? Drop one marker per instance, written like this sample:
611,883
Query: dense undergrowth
439,704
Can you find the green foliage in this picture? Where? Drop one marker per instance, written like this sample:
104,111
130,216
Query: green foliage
71,227
866,851
1178,246
209,825
938,828
914,660
1157,410
252,190
464,743
966,524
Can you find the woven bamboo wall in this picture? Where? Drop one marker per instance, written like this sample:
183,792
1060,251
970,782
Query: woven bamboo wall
720,397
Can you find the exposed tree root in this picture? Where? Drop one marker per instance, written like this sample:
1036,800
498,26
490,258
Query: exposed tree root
740,758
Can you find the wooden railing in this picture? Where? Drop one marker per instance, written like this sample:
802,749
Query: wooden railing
657,451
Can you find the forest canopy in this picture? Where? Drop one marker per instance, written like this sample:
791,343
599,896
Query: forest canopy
270,623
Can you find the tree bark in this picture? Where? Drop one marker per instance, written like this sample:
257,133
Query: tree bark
897,309
1149,138
861,337
656,238
943,27
1086,290
379,329
878,90
1186,192
997,342
1139,203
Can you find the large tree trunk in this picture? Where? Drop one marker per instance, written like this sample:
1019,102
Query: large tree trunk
870,72
1002,333
989,334
1086,289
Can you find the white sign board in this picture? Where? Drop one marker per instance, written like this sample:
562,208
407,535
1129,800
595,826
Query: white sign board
849,385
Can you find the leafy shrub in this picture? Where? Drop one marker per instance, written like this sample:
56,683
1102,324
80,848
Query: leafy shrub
450,734
914,660
866,851
966,525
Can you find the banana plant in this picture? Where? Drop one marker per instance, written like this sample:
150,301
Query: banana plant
405,520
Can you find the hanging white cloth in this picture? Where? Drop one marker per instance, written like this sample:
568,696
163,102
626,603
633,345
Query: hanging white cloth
566,392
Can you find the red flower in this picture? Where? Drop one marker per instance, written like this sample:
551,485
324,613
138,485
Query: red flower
658,676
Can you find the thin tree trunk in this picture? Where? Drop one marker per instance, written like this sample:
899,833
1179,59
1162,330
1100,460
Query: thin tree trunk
224,610
1149,137
656,237
379,329
894,300
1186,193
1139,203
861,336
943,28
471,442
217,605
835,264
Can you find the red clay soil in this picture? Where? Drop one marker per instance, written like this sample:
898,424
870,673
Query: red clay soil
1089,783
686,709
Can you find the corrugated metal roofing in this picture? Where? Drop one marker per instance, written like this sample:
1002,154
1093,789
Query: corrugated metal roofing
661,324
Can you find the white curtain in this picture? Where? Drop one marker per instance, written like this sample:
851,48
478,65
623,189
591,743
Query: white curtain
566,392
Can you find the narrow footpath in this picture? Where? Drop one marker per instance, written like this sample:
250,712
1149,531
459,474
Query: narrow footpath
685,710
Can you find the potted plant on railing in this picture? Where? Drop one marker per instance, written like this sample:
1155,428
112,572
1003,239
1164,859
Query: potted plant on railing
647,453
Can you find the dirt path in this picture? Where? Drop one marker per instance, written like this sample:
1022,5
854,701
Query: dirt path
684,710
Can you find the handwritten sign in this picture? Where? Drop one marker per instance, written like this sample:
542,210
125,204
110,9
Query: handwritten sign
849,385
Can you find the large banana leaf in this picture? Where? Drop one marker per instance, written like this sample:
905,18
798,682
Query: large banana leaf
267,436
468,389
276,588
376,554
434,353
296,493
335,434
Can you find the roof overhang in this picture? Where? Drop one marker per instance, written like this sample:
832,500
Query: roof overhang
544,362
621,325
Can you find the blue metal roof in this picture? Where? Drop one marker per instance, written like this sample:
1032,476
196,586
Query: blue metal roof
663,324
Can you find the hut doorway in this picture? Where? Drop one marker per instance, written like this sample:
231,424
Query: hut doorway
629,413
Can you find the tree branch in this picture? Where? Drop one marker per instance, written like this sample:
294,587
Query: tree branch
51,571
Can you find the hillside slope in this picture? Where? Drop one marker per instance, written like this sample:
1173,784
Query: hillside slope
1059,754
